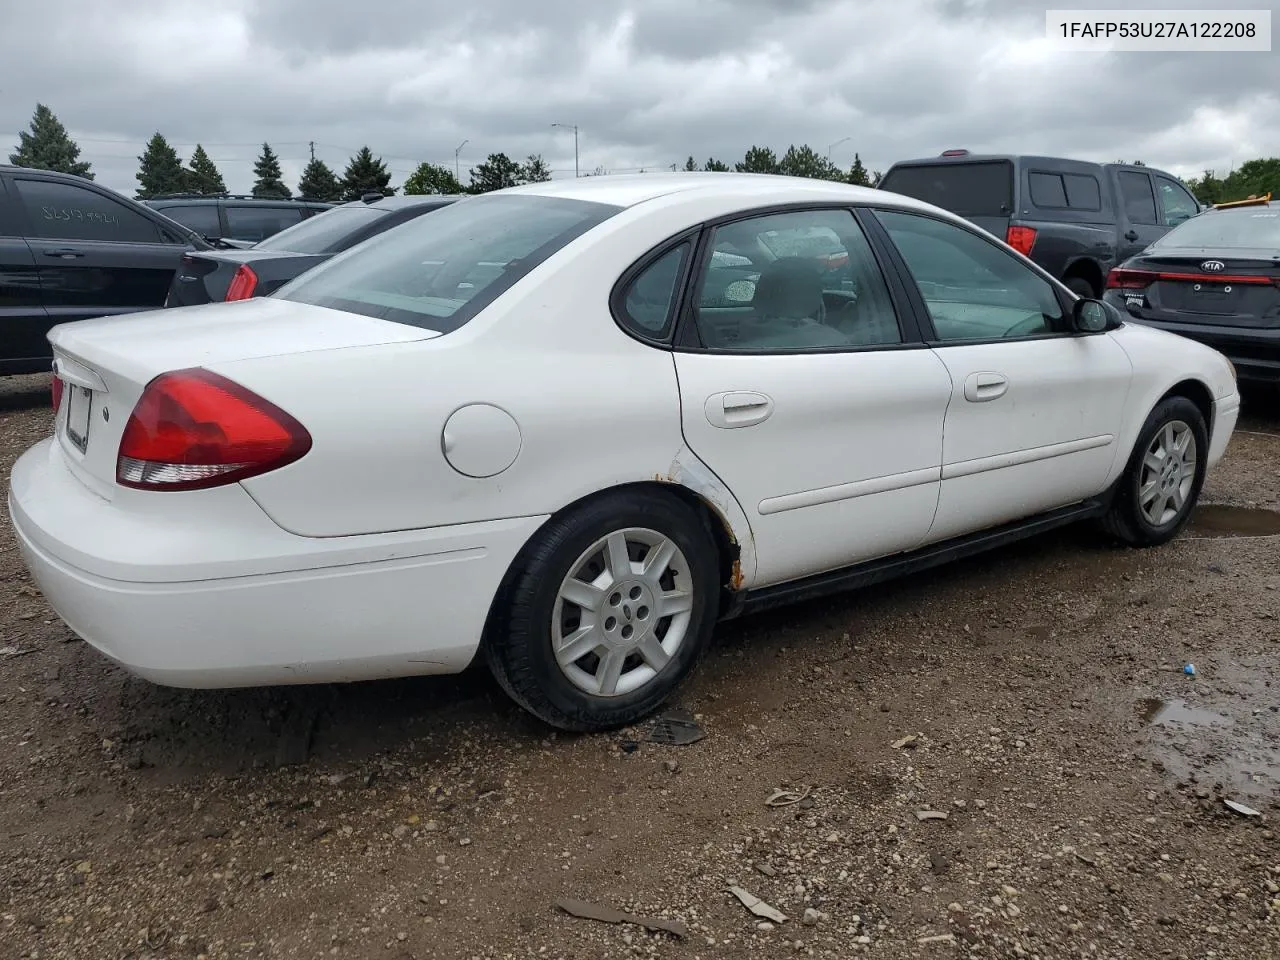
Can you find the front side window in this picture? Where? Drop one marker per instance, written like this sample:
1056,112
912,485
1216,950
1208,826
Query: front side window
440,270
1177,205
803,280
64,211
1139,204
972,288
254,223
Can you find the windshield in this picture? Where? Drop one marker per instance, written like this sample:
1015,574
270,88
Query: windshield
1248,227
322,233
438,272
982,189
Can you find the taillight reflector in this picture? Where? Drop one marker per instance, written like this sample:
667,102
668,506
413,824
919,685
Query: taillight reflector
1123,279
1118,279
1021,239
192,429
55,392
242,284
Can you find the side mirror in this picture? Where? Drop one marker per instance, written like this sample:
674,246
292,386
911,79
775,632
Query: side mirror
1094,316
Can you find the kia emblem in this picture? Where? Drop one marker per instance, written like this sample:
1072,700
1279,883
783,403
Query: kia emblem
1213,266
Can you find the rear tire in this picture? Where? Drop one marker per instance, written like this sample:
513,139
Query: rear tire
1081,288
605,611
1161,483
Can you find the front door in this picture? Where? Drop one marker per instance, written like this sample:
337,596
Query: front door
95,254
808,398
1035,410
1138,203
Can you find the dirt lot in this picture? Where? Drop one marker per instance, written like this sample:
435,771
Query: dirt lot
1082,775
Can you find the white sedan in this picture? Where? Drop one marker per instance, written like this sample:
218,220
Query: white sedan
569,426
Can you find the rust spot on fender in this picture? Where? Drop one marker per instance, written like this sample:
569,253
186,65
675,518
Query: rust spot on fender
735,575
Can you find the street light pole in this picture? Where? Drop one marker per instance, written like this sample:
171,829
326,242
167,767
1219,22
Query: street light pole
836,144
574,128
457,166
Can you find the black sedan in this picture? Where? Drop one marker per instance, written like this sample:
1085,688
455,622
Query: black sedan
1214,278
214,275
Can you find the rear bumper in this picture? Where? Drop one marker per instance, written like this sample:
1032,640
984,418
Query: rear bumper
1255,352
156,589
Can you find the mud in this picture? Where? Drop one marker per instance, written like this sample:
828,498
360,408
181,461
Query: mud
1034,695
1221,520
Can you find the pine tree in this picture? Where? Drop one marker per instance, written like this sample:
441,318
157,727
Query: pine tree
431,178
534,170
691,164
202,175
365,174
160,169
319,182
269,182
716,166
496,173
858,173
758,160
49,147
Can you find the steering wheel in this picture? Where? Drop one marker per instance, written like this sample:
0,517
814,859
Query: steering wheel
1027,325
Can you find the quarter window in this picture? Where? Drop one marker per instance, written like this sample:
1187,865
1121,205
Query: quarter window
973,289
64,211
1139,203
650,300
792,282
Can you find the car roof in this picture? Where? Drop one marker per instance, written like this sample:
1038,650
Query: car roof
625,190
408,200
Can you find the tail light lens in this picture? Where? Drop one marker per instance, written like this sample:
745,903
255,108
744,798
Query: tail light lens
242,284
193,429
1021,239
55,392
1119,279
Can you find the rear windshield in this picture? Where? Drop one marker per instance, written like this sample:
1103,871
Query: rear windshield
982,189
439,271
322,233
1248,227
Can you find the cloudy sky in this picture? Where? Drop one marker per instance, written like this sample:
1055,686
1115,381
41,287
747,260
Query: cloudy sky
648,82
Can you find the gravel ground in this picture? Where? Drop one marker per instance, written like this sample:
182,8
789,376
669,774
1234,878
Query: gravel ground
1034,696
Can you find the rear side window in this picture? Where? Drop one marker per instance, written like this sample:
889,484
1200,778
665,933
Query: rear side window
64,211
202,218
1065,191
1139,201
969,189
258,222
325,233
440,270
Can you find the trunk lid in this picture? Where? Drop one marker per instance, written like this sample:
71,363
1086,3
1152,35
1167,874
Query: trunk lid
106,363
204,277
1238,289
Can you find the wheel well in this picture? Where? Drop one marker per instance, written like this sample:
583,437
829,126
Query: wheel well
1197,393
1087,270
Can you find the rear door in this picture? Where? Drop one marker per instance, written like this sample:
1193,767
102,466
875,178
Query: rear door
96,254
23,320
806,392
1142,225
981,191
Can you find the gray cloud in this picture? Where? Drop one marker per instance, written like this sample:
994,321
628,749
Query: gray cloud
648,82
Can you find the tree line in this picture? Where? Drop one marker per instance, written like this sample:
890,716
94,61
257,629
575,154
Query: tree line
48,146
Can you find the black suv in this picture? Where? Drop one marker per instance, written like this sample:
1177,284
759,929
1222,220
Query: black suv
235,219
72,249
1074,218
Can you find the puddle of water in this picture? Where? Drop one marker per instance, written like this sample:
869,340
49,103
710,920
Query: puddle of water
1220,520
1174,713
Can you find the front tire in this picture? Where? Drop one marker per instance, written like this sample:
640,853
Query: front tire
1081,288
1162,481
606,611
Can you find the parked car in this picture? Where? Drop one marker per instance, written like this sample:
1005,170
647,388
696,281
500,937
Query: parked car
515,429
212,275
1075,219
71,248
1214,278
239,220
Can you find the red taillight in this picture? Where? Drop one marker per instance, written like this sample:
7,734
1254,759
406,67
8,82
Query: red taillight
1021,239
242,284
55,391
1119,279
194,428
